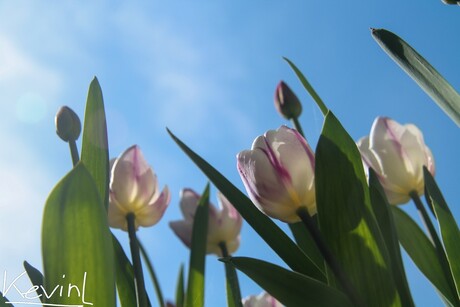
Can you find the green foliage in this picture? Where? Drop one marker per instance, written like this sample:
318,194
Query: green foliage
76,243
346,219
36,277
180,288
195,285
421,71
125,275
290,288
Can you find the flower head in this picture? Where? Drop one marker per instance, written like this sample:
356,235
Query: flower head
134,189
224,225
67,122
397,153
286,102
278,173
262,300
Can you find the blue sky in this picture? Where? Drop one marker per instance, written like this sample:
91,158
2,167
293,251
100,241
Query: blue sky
208,72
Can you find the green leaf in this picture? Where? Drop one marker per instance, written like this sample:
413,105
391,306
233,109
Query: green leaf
422,252
125,276
447,225
153,276
195,284
264,226
386,223
77,247
307,244
180,289
4,301
36,277
421,71
94,152
308,87
345,216
290,288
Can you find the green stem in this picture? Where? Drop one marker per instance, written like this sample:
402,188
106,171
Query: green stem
328,256
233,285
434,239
137,265
156,284
74,152
297,126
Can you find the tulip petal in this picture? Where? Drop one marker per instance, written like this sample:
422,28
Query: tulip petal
150,215
183,229
188,203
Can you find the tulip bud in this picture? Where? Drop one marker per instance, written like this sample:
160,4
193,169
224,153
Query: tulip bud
262,300
397,153
278,173
134,189
68,126
286,102
224,225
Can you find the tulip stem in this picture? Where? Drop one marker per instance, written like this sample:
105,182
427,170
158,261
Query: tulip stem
433,235
328,256
233,285
141,296
297,126
156,284
74,152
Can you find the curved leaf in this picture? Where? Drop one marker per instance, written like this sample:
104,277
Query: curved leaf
290,288
421,71
125,276
76,243
36,277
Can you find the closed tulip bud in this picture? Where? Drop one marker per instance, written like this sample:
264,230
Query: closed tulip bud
397,153
224,225
278,173
134,189
262,300
286,102
68,126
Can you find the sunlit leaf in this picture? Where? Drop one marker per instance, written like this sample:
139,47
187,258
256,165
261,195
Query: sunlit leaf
422,252
447,225
94,152
421,71
195,285
386,223
77,247
125,276
264,226
290,288
346,219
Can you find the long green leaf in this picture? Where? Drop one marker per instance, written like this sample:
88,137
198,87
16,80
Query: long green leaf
421,71
290,288
94,152
386,223
153,276
36,277
196,274
180,289
307,244
125,276
346,219
4,301
264,226
77,247
447,225
422,252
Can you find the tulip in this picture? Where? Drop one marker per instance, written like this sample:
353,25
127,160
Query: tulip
262,300
278,173
134,189
68,126
397,153
286,102
224,225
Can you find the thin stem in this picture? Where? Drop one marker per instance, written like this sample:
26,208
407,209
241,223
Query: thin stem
328,256
297,126
233,285
137,265
156,284
74,152
434,238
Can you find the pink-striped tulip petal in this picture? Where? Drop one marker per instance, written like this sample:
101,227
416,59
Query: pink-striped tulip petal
278,173
262,300
224,225
397,153
134,189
